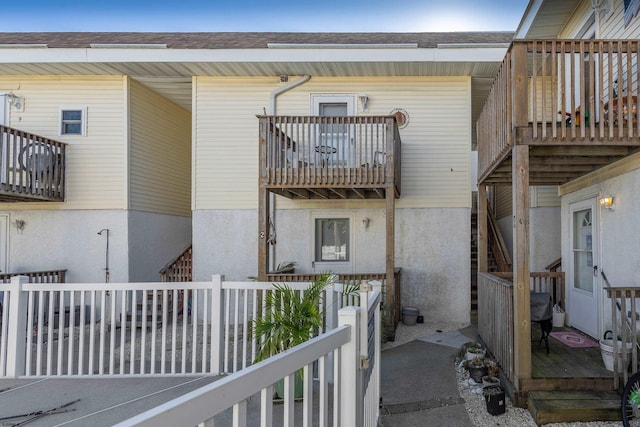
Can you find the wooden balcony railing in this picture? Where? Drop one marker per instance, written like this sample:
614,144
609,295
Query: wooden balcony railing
569,92
358,154
32,167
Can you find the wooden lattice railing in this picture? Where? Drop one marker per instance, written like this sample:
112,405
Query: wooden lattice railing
180,268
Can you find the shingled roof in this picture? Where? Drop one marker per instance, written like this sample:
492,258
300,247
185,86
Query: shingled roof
235,40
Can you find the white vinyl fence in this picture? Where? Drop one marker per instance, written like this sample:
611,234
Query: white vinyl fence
354,381
89,329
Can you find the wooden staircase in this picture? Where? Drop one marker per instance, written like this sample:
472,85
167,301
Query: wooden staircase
574,406
496,261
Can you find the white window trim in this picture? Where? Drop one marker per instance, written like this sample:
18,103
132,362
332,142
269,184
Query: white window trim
83,120
351,216
325,98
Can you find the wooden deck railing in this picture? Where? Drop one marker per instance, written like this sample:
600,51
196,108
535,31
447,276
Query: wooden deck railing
52,276
624,324
495,309
561,91
351,151
495,319
32,167
180,268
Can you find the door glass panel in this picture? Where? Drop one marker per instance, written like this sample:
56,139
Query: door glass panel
332,239
583,250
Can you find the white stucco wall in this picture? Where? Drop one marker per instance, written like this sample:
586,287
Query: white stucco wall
432,248
139,243
53,240
155,239
619,236
544,236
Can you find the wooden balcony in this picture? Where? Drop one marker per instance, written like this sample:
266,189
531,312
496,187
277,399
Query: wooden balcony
573,102
32,167
356,157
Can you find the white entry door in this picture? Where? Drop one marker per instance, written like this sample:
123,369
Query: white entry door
584,307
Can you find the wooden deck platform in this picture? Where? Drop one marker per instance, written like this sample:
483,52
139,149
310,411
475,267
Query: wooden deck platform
566,368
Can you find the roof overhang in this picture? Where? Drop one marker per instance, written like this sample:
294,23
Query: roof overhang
545,19
159,68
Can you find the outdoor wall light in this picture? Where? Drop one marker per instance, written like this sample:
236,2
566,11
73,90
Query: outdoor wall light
364,101
20,225
365,223
15,101
607,202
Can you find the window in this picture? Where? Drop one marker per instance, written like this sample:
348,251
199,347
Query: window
332,240
73,121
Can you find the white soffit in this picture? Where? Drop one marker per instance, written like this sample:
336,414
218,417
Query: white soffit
118,55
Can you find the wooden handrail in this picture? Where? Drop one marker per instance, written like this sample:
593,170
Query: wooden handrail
180,268
498,246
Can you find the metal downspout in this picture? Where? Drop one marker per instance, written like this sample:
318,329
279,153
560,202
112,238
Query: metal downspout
272,202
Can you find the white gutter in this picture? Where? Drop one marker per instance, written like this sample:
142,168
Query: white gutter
282,89
272,203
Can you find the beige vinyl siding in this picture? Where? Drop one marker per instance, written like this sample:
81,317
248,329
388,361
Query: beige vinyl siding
577,21
546,196
613,26
539,197
436,144
160,153
504,202
96,162
545,88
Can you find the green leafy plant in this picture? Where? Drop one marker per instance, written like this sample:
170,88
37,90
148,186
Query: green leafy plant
290,317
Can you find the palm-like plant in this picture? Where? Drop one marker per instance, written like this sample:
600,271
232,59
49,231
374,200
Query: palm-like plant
290,317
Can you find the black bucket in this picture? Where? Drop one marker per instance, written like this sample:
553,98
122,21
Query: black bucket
494,396
477,372
410,315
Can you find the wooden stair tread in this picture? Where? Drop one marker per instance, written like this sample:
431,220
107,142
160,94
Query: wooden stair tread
574,406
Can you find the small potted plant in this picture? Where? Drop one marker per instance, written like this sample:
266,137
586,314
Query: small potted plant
475,352
477,369
491,378
495,400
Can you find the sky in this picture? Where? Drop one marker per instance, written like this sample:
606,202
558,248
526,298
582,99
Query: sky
262,15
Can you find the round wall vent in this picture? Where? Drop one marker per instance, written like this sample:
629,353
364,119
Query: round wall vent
402,117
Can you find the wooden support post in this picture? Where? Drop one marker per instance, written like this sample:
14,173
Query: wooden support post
483,242
393,295
521,297
263,233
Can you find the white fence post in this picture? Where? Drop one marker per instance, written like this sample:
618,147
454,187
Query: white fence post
16,335
352,399
217,325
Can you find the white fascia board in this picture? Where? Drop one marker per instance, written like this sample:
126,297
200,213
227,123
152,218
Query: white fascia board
492,54
527,19
17,56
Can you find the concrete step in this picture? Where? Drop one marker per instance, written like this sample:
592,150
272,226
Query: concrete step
574,406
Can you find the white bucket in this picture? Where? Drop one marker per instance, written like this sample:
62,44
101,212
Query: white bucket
606,349
558,320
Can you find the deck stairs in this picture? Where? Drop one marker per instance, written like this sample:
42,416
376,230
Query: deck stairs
574,406
491,260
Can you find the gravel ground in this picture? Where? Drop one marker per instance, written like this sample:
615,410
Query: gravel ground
474,401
